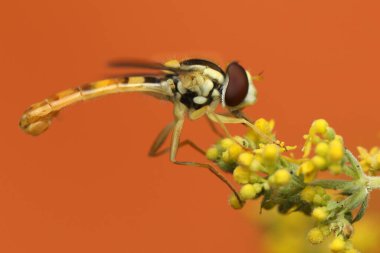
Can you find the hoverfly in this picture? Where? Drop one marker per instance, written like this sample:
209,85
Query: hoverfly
195,86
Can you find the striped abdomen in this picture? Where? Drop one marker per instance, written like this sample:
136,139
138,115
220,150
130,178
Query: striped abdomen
37,118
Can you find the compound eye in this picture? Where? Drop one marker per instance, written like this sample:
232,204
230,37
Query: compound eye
237,86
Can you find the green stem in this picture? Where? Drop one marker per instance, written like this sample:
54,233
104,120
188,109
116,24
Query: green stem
373,183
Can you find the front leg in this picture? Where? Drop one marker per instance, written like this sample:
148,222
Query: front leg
222,119
173,153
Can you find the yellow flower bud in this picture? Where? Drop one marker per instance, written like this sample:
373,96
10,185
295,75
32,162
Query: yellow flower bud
241,175
234,202
245,159
336,151
247,191
271,152
322,149
226,157
264,126
212,154
234,151
226,142
308,194
281,177
307,167
315,236
320,213
319,126
319,162
337,245
256,164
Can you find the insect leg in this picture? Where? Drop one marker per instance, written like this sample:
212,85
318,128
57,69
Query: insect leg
213,127
160,139
221,119
181,144
173,152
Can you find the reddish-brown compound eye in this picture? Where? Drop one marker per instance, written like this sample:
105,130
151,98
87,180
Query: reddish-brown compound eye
237,85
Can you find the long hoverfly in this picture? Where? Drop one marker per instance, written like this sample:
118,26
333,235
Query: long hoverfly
195,87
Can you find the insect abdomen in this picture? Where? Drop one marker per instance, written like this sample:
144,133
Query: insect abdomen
37,118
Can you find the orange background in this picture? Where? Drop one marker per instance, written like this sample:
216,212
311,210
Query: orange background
87,184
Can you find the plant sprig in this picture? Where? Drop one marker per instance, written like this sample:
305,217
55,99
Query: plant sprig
266,171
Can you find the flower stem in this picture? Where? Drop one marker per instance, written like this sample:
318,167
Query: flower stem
373,183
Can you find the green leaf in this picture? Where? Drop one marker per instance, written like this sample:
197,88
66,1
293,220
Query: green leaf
362,210
356,170
333,184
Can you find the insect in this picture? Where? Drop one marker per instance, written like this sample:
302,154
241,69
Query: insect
195,87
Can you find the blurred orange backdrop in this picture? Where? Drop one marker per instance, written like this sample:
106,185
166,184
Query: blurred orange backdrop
87,185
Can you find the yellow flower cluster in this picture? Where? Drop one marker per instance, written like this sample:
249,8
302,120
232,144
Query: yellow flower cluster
328,152
369,161
246,162
260,166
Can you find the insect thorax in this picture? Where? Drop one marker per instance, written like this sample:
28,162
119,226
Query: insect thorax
195,89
